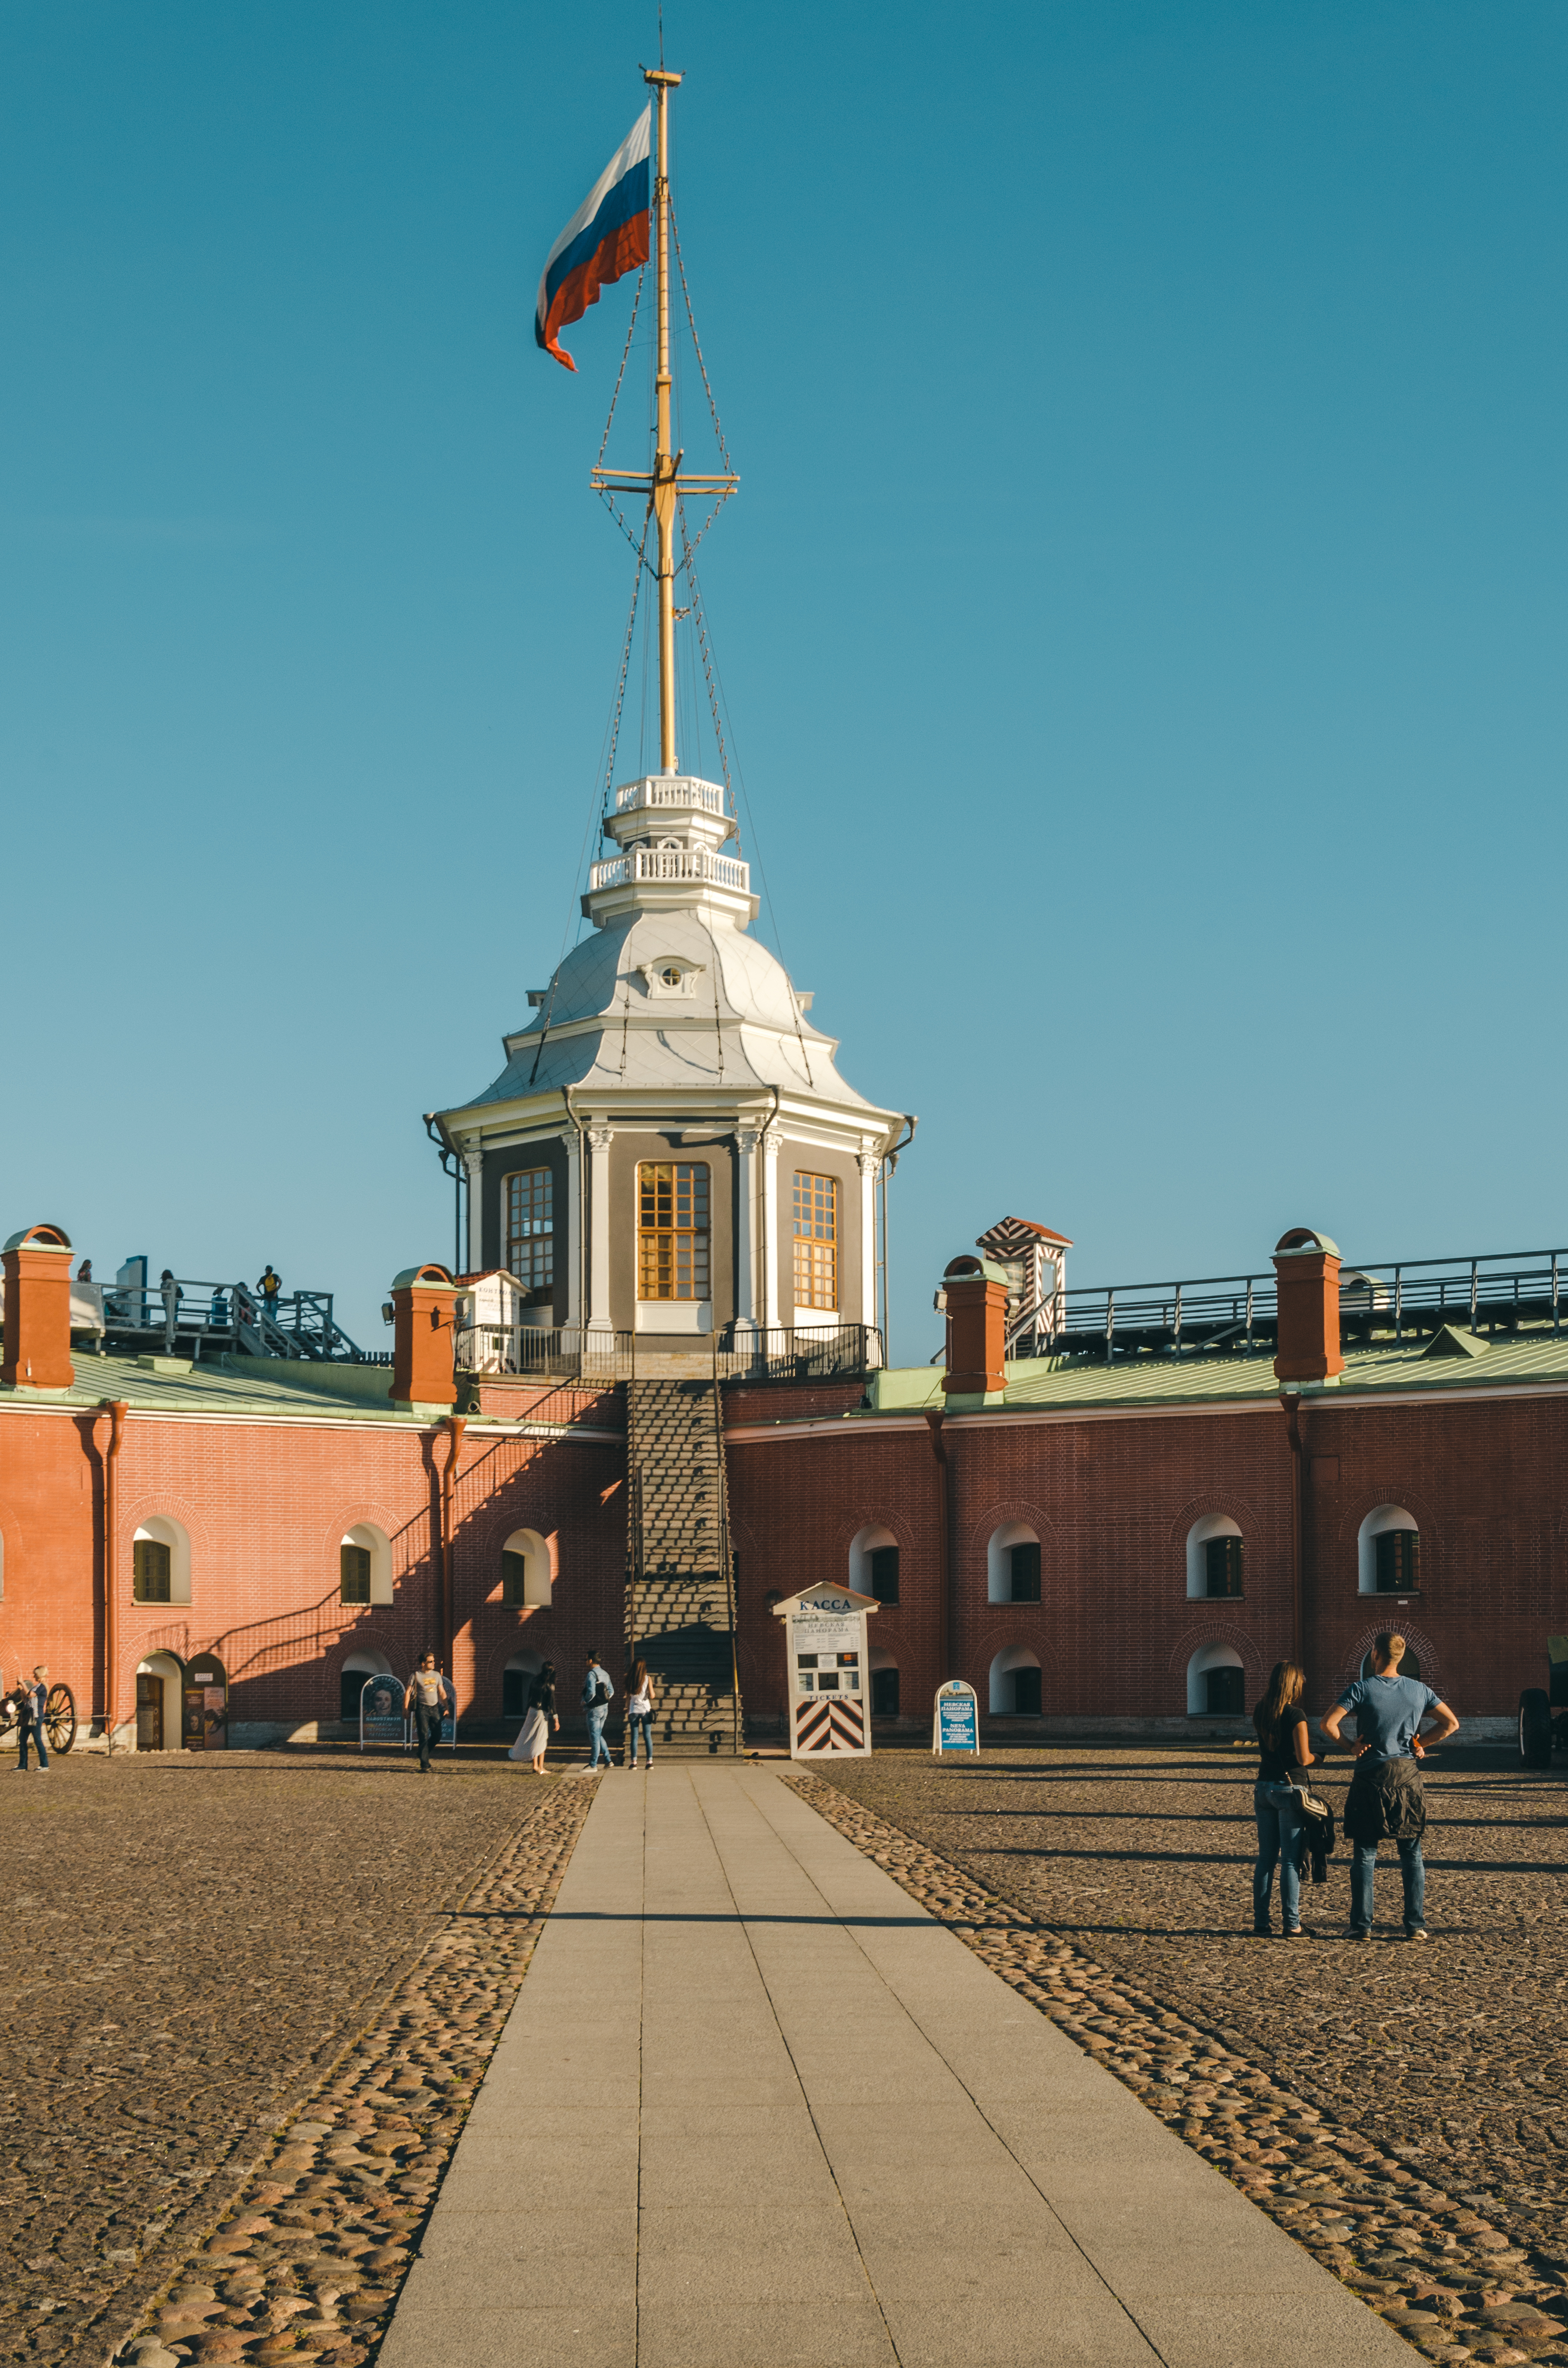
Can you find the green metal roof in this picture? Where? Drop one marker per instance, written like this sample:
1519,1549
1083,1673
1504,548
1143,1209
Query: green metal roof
1055,1385
232,1386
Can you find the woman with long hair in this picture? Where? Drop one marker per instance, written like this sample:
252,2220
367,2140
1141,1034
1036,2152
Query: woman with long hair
639,1712
1283,1755
533,1736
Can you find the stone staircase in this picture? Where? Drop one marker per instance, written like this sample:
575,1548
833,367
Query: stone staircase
678,1603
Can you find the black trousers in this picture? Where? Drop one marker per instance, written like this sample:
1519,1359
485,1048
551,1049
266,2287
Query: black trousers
427,1725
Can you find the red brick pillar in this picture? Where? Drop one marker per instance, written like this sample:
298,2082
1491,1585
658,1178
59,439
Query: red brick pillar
38,1310
423,1378
1307,1266
976,1295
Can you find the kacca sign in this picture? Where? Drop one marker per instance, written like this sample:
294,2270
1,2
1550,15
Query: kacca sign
829,1670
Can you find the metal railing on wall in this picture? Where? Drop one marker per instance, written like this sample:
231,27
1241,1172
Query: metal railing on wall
781,1353
1382,1303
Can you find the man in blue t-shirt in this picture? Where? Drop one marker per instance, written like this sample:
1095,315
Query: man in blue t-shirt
1388,1711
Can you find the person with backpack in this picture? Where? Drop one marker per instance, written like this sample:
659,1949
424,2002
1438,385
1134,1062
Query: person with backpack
597,1695
1385,1802
1283,1759
639,1712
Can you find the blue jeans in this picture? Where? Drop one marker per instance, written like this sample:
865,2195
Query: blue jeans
635,1719
1280,1833
26,1729
1412,1867
596,1738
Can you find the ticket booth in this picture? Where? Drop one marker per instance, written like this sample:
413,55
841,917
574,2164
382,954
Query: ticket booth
204,1721
829,1670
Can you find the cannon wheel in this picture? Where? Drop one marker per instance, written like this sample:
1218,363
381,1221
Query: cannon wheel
1535,1728
60,1719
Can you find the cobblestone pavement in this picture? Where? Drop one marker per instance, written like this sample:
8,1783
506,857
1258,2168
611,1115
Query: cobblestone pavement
194,1949
1401,2106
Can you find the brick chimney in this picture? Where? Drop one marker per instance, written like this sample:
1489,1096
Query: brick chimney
38,1310
1307,1266
423,1379
975,1291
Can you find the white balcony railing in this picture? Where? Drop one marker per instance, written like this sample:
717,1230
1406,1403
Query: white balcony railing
642,864
670,789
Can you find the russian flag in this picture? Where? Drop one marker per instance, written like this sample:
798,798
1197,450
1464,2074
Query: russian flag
606,236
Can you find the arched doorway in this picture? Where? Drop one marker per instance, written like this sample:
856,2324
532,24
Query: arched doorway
364,1662
160,1686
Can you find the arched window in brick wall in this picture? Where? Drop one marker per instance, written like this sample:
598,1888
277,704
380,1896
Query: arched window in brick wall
525,1571
884,1684
364,1565
873,1563
1214,1557
1012,1564
1216,1684
1388,1552
160,1560
1015,1683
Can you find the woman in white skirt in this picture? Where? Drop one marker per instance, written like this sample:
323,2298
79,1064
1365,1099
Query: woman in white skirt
533,1736
639,1712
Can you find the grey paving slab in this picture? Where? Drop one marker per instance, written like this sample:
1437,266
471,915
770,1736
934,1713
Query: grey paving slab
754,2108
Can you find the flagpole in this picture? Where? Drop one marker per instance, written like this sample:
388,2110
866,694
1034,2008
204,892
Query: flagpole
666,462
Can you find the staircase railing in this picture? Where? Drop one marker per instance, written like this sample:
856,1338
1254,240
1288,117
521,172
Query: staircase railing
726,1559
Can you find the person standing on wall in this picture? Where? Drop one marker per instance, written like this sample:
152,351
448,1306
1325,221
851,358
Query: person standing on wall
430,1697
1283,1759
1385,1802
597,1695
639,1712
32,1701
168,1292
270,1286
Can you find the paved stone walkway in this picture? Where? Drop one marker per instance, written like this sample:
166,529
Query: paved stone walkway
754,2109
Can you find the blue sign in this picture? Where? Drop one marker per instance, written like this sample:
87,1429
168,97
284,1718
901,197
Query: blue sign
956,1722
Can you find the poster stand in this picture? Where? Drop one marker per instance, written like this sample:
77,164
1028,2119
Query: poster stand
829,1671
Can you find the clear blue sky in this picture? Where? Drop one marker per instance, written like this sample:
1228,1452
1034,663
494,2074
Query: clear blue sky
1142,617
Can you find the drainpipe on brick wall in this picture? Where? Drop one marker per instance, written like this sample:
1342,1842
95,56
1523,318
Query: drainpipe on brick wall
1291,1401
116,1410
456,1425
944,1591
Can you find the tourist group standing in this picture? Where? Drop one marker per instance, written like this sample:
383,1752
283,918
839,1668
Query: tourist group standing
1385,1802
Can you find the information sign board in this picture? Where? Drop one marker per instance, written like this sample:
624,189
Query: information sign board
829,1671
380,1711
956,1726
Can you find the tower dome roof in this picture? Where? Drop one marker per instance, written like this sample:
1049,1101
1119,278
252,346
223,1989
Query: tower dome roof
673,999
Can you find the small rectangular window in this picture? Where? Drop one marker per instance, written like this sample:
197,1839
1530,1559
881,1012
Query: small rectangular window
672,1230
150,1571
1023,1563
514,1578
884,1573
1221,1566
884,1693
526,1202
816,1241
354,1574
1026,1693
1398,1560
515,1684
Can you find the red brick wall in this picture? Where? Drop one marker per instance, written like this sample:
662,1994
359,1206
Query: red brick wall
1112,1502
266,1507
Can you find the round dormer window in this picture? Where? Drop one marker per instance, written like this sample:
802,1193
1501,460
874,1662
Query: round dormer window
670,974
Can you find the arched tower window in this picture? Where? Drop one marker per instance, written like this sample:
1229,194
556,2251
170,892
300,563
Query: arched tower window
1389,1552
525,1571
1214,1557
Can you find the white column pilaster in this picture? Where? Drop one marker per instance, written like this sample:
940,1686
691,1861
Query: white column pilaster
599,1140
869,1162
569,1234
772,1144
473,1161
748,1145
